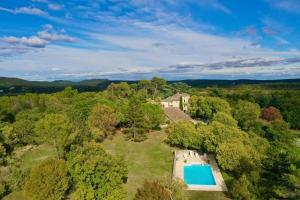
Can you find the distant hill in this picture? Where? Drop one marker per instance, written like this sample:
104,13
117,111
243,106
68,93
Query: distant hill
16,86
230,83
13,86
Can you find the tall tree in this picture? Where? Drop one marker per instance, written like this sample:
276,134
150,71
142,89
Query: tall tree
158,84
136,117
146,85
56,130
180,103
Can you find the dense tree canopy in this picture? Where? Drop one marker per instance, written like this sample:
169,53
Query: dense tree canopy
47,180
225,118
96,174
183,134
246,113
206,107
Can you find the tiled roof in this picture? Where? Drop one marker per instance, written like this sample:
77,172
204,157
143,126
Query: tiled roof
175,114
175,97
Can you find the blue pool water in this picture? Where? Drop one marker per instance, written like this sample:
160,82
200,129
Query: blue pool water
198,175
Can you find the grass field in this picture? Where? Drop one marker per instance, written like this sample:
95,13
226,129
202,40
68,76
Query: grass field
151,160
36,155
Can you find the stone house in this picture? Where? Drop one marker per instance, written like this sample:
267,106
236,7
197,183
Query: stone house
174,101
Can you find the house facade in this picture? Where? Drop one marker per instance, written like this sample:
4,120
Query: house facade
174,101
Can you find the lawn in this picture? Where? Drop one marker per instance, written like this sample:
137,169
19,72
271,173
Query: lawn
149,160
194,195
36,155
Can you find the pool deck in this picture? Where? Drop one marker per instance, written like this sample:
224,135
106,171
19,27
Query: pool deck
182,155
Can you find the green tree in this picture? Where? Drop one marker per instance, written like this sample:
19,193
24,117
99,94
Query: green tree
225,118
241,188
102,121
183,134
3,189
154,115
158,84
22,130
181,103
282,167
3,153
48,180
246,113
231,154
96,174
278,131
206,107
119,90
136,117
56,130
147,86
17,178
217,133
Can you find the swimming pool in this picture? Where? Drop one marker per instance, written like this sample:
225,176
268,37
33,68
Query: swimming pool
197,174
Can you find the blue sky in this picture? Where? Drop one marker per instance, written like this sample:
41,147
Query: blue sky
135,39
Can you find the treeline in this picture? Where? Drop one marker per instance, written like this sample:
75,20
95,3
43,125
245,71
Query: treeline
15,86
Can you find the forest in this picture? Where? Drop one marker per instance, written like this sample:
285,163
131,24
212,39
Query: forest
75,145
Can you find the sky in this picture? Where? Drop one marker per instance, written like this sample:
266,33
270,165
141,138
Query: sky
139,39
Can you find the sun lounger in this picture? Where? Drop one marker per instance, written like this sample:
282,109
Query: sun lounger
191,154
196,155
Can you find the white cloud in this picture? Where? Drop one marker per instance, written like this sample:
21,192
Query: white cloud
55,7
49,34
32,41
15,45
25,10
212,55
292,6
